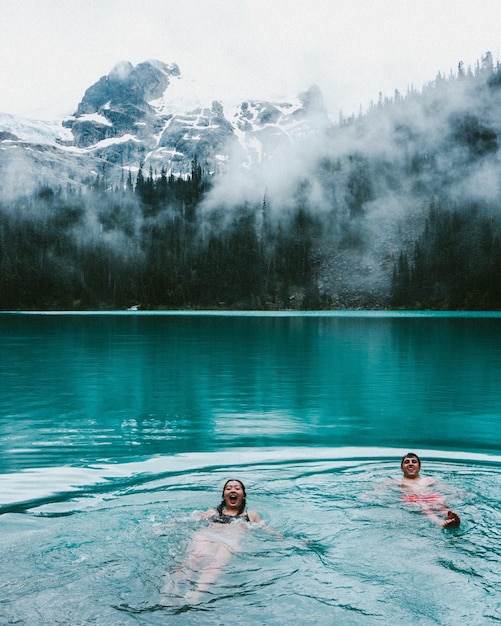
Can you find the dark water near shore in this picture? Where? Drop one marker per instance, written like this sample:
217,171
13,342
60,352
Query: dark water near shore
111,424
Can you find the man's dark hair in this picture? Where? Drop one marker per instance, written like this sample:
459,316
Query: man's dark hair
410,455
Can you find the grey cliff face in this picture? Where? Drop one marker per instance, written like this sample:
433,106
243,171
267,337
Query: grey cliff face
128,88
203,133
119,103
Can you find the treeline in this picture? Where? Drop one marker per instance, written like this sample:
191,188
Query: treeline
455,264
149,244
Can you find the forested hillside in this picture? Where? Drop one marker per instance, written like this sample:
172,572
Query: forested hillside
397,207
144,245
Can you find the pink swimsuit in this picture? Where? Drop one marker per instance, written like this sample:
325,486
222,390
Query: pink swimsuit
423,498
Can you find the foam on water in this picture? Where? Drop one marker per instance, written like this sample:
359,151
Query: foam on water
30,488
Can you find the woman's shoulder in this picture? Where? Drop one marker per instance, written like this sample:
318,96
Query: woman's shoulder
253,516
207,514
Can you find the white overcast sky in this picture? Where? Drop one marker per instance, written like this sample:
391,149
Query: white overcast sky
52,50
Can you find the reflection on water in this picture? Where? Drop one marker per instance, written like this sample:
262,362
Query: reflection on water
85,388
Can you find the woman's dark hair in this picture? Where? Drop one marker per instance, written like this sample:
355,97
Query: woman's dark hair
223,504
410,455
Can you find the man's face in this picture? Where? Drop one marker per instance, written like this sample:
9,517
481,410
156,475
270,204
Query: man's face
410,467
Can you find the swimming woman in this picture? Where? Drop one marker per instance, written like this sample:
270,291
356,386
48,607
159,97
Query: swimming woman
232,506
212,547
418,490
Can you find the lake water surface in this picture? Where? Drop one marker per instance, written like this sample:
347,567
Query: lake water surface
115,427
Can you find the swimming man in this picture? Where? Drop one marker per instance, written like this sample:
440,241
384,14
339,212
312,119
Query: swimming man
418,490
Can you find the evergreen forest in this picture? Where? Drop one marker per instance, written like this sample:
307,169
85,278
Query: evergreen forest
144,246
400,208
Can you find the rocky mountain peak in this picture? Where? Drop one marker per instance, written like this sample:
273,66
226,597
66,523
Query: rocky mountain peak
150,116
128,85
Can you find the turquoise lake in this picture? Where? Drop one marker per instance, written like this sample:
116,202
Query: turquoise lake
115,427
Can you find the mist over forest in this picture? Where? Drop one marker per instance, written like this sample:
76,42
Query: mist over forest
397,207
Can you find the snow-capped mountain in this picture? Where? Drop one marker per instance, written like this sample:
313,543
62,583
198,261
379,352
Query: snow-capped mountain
150,116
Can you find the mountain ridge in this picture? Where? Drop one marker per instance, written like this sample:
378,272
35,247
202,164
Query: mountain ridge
149,116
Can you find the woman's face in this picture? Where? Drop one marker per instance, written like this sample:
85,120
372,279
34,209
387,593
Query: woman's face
233,494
